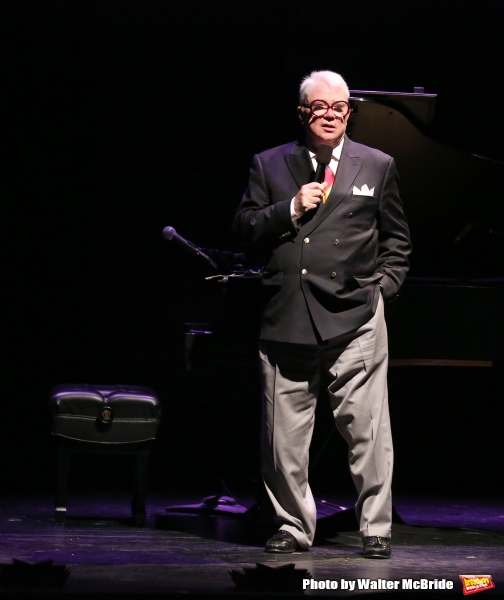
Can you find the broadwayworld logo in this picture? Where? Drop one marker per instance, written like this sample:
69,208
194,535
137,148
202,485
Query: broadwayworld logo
470,584
476,583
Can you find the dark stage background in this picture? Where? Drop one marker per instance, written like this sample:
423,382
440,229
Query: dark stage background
120,118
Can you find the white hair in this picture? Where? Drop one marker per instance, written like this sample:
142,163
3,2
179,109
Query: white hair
330,78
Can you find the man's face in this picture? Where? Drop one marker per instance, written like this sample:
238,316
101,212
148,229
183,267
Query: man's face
328,129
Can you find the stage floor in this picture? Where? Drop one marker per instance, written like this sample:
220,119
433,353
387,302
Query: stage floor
189,555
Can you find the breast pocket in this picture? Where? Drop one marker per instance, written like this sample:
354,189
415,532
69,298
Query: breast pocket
365,199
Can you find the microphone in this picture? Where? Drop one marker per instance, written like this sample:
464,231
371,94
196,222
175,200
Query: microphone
323,158
171,235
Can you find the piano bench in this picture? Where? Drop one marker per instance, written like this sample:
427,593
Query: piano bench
113,419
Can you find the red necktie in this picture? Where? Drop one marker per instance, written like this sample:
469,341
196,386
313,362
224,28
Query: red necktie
329,179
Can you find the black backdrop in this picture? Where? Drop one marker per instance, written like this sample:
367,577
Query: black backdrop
122,117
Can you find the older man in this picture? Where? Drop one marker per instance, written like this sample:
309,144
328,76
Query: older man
333,251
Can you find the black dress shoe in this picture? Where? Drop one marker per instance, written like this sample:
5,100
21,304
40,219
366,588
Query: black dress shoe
376,546
282,541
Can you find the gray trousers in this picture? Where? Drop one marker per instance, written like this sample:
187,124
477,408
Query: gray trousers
353,367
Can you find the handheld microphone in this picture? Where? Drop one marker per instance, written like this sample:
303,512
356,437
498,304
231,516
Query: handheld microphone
323,158
170,234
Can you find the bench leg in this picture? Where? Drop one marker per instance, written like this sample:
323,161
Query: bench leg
142,458
62,484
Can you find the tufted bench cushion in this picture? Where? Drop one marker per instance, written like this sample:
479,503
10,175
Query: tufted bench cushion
107,414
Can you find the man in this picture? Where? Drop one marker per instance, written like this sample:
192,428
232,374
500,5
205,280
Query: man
332,251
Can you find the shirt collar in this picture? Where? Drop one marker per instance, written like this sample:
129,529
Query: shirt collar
336,155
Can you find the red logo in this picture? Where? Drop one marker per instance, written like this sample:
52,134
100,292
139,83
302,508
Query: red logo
476,583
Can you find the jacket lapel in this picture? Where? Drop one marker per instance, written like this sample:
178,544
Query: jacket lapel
348,169
299,164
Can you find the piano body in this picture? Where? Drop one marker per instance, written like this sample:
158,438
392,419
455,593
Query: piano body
450,308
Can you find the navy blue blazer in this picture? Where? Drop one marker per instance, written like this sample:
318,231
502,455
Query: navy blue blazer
327,274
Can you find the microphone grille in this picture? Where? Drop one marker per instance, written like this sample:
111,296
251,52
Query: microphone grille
324,154
169,232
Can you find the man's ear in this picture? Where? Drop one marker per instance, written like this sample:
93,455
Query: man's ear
300,113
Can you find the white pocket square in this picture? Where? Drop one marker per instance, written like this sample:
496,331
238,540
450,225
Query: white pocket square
364,191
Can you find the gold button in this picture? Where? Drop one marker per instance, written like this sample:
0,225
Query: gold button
333,274
304,271
306,240
336,242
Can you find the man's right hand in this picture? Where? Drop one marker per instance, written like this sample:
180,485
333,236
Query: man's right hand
309,197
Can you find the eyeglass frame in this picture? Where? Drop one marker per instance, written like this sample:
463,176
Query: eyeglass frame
329,106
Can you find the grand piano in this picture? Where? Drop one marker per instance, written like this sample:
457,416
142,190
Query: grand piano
450,309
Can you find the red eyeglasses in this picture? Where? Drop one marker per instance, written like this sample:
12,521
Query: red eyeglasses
319,108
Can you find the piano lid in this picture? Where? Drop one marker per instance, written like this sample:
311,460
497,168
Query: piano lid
418,106
454,200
